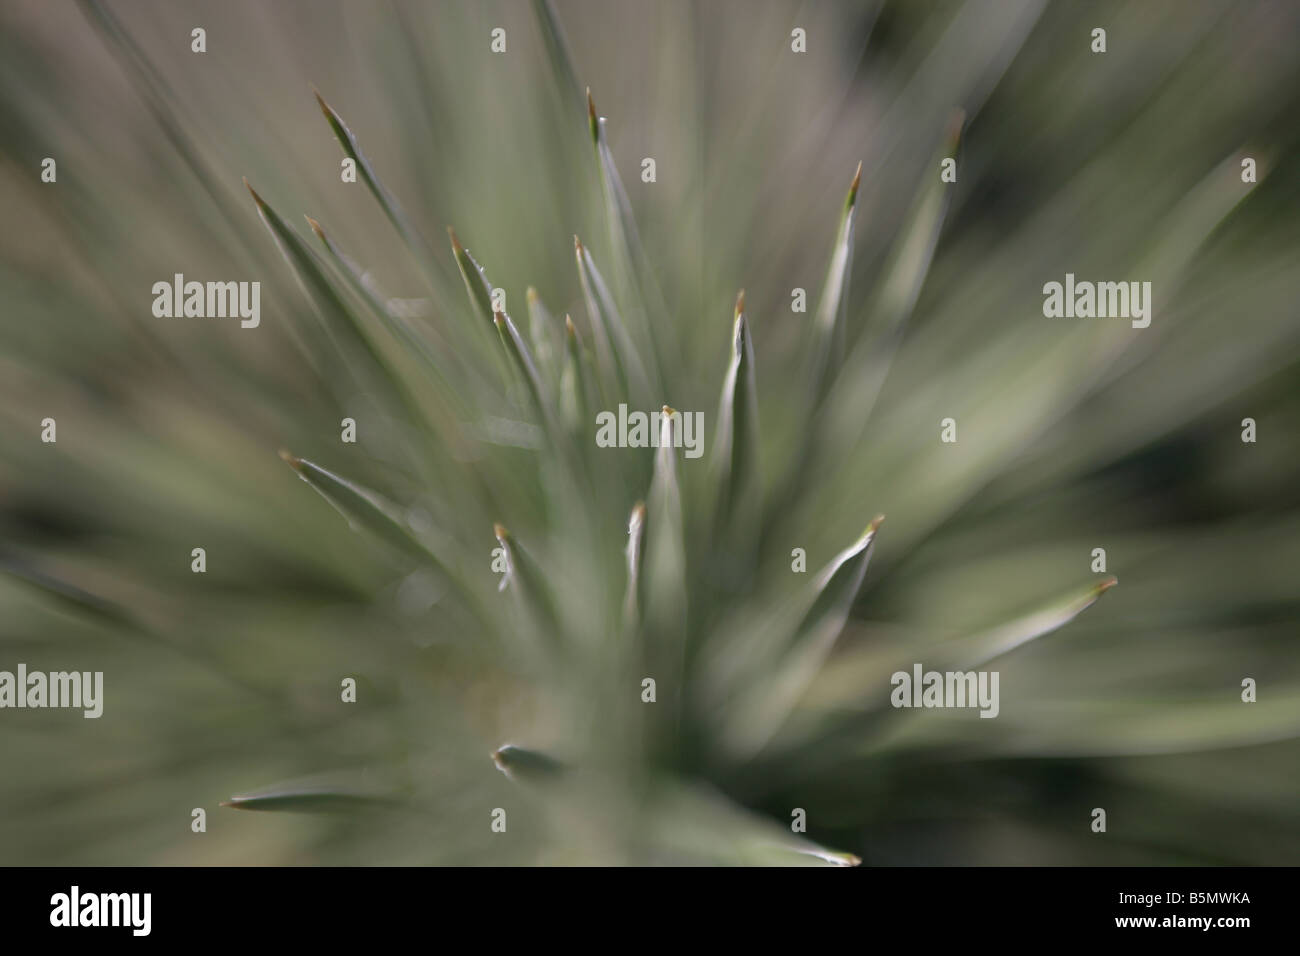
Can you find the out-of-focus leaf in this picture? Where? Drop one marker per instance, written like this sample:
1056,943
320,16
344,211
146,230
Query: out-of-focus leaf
364,510
527,581
828,333
616,355
518,763
635,555
416,242
762,708
736,450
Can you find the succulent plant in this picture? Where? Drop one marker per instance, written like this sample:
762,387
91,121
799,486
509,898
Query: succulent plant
566,653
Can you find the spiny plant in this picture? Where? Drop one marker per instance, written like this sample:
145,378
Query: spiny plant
513,585
677,682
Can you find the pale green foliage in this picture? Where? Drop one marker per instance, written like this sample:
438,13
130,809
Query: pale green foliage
476,430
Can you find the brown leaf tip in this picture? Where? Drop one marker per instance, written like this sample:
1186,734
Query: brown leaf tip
456,247
853,187
315,227
499,530
740,303
876,522
256,198
577,245
293,461
668,411
1105,585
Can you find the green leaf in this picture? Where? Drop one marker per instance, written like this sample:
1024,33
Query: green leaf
544,333
310,800
970,652
616,355
578,392
665,543
528,765
340,322
66,594
70,597
828,331
476,282
736,465
522,362
396,215
879,726
632,273
364,510
557,49
764,706
698,824
854,391
666,596
526,580
635,555
423,343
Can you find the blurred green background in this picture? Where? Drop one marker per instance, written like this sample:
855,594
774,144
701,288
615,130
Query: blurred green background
1073,434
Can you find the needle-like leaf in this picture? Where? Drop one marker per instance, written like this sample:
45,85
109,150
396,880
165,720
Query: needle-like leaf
418,245
764,707
526,765
635,555
736,464
310,799
578,392
828,332
364,509
854,391
616,354
525,578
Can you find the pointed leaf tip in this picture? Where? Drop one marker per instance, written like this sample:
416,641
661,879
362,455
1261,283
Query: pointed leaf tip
293,461
853,187
456,247
740,303
499,530
256,198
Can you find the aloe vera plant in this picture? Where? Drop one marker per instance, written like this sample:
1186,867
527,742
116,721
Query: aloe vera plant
482,636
